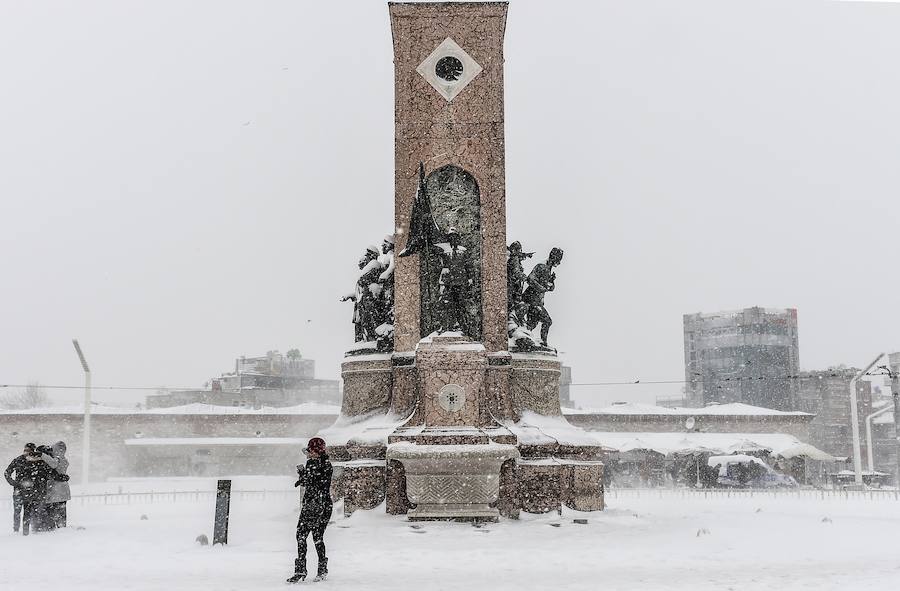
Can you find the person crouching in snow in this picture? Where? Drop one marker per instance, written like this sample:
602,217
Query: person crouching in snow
315,478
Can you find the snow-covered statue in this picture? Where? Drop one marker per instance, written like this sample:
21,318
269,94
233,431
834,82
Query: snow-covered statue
365,297
455,284
385,328
515,281
386,279
541,280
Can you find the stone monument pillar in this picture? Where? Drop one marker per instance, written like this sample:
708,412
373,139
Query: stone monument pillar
438,420
448,107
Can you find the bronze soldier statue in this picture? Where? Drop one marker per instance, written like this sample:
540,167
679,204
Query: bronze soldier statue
541,280
386,280
515,281
365,308
454,285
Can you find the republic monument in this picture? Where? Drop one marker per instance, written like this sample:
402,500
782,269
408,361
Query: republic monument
451,398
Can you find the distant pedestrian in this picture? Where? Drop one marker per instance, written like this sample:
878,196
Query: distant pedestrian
30,481
58,491
315,478
13,473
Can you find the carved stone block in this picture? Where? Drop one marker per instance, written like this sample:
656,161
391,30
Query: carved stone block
452,481
534,384
451,361
367,385
508,502
583,486
539,486
364,485
396,498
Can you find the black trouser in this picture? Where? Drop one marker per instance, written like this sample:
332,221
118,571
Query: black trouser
18,506
56,514
315,525
29,515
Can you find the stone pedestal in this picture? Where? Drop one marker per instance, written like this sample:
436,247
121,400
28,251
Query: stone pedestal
451,372
534,384
363,484
367,384
452,481
582,486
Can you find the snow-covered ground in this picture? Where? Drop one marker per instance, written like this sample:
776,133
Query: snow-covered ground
644,541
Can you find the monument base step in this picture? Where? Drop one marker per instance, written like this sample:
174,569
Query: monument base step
453,512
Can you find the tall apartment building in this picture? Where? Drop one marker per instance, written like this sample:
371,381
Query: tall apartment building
826,394
742,356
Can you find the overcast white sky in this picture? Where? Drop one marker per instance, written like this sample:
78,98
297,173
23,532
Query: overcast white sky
182,183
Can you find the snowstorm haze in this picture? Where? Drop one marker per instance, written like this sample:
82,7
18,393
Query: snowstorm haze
185,183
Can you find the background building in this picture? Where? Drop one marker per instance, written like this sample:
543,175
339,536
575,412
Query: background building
271,380
826,394
742,356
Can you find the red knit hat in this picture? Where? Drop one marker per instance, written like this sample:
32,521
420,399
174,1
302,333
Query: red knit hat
316,444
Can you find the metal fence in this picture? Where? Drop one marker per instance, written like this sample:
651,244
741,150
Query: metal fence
209,496
181,496
720,493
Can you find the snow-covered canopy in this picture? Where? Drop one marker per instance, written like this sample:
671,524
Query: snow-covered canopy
536,429
777,444
716,461
640,408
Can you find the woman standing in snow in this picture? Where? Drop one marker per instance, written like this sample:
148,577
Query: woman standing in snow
315,478
58,491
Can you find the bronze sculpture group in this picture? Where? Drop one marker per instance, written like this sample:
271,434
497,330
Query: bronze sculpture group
525,297
373,297
450,290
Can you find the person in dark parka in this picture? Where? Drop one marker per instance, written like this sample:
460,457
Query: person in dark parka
13,473
30,481
315,478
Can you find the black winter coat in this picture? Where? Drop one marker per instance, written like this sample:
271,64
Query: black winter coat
30,480
315,478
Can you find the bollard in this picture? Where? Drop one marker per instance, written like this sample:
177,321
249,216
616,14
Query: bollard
223,506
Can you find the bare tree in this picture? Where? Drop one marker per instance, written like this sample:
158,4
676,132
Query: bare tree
32,396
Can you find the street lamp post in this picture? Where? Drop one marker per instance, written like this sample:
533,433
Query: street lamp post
870,447
893,371
86,435
854,421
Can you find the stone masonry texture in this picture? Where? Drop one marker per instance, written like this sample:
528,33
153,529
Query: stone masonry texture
467,132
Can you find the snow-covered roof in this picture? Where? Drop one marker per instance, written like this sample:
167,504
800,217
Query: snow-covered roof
537,429
369,430
779,444
309,408
641,408
863,473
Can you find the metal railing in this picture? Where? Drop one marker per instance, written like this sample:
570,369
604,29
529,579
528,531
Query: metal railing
196,496
784,493
181,496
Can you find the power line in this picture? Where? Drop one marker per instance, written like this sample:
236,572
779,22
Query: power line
637,382
81,387
719,380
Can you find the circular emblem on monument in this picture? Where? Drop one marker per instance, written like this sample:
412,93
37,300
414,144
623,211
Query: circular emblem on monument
452,397
449,68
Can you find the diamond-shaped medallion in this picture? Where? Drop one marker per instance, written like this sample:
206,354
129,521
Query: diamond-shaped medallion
449,69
